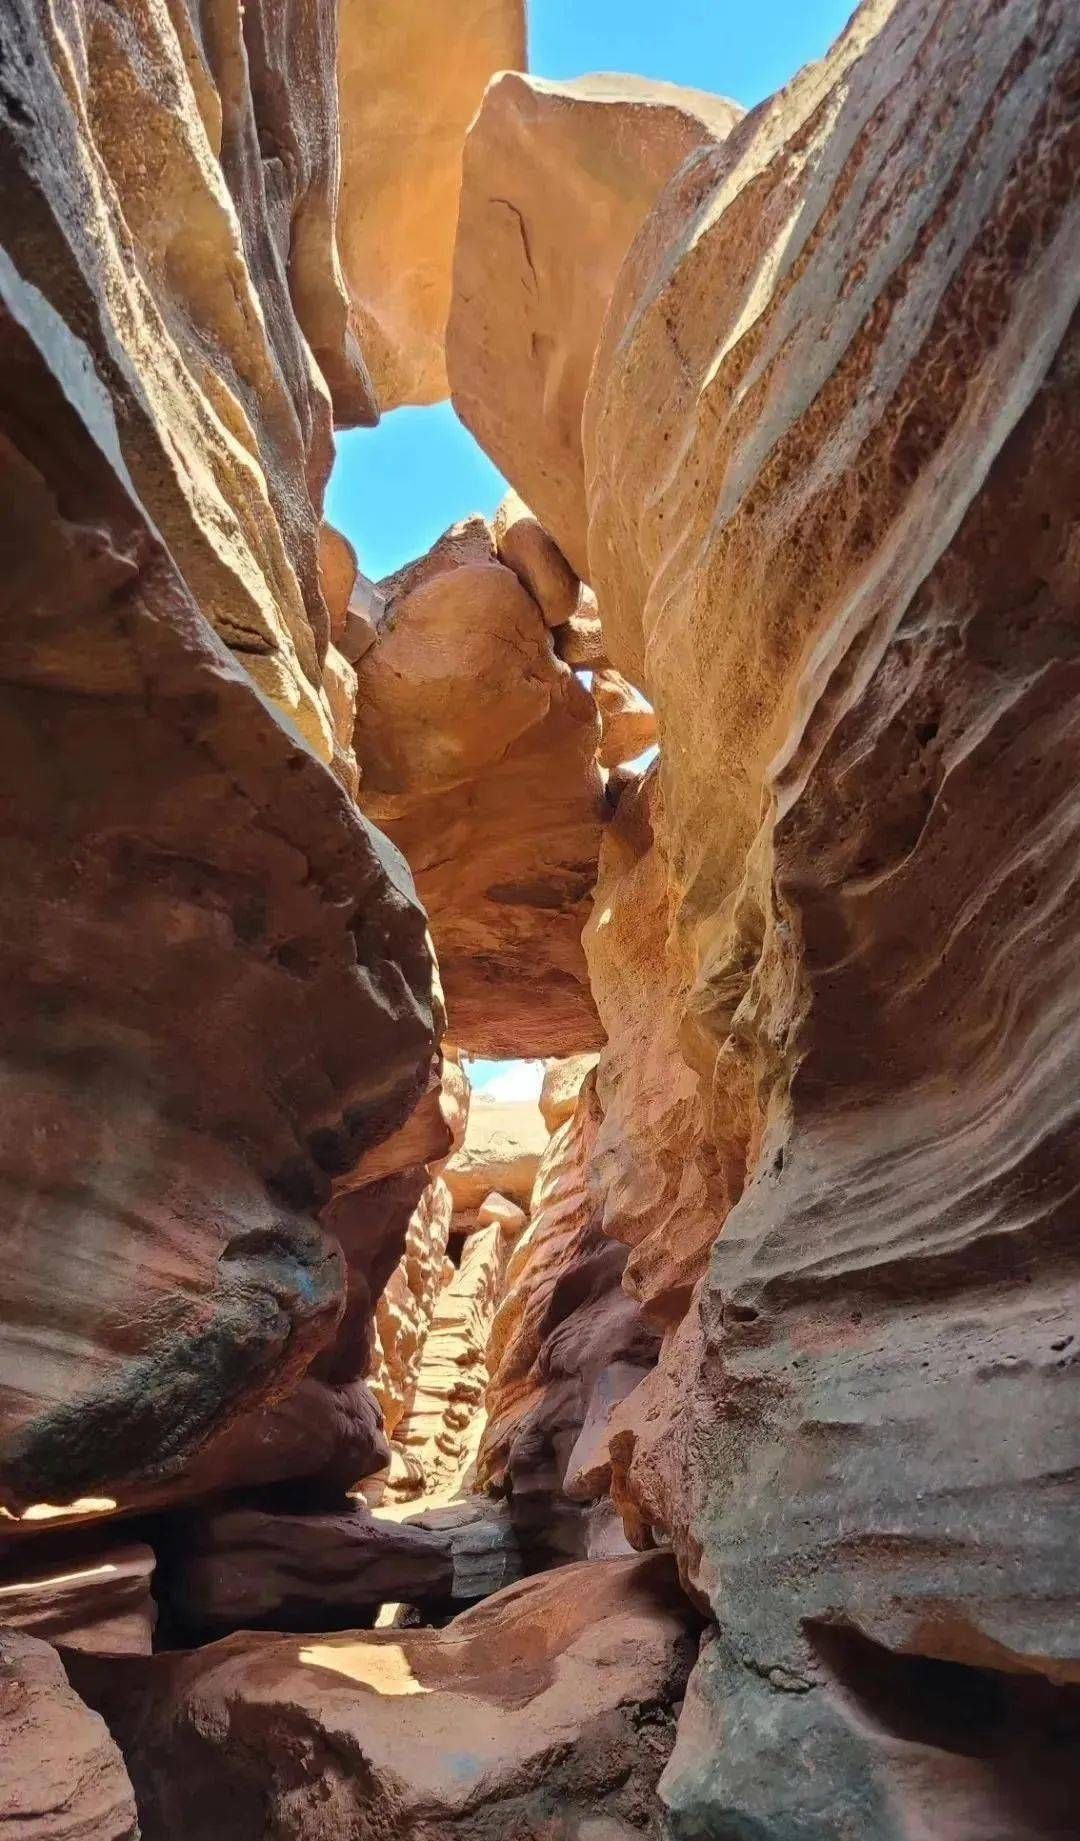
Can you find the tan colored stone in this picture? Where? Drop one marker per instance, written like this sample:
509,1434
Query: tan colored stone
61,1775
580,643
477,752
627,721
503,1145
497,1211
562,1085
337,577
524,546
557,178
557,1694
411,74
406,1306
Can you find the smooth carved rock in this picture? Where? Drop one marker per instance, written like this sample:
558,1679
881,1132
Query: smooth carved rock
852,601
562,1085
498,1211
563,1321
627,721
504,1141
246,1569
524,546
411,74
557,178
61,1775
552,1701
97,1599
217,983
477,748
180,177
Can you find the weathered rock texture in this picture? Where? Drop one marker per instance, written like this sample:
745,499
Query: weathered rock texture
406,1306
567,1341
547,1709
476,747
61,1775
557,179
504,1142
216,981
100,1602
411,75
850,594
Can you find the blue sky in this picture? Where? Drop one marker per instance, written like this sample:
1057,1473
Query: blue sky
396,488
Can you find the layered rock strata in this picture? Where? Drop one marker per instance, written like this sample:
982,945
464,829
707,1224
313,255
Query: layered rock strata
61,1775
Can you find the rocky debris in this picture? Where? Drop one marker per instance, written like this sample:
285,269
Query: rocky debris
218,987
411,74
440,1429
562,1086
98,1600
563,1321
476,746
627,721
61,1775
251,1568
504,1142
553,1700
497,1211
557,178
523,544
853,332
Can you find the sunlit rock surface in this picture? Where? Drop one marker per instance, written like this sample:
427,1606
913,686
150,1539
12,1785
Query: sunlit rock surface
557,178
851,598
476,746
551,1702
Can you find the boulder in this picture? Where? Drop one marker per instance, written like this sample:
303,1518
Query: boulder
485,1552
523,544
580,642
852,336
410,75
61,1775
497,1211
250,1568
551,1702
476,747
562,1085
218,983
627,721
95,1599
557,178
503,1145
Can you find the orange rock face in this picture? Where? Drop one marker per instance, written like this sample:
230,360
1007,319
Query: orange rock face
476,747
848,599
556,1695
557,178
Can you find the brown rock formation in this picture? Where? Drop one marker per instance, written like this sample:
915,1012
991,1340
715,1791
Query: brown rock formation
627,721
504,1143
411,74
246,1569
524,546
852,327
551,1702
99,1602
406,1306
477,756
216,983
557,178
562,1326
61,1775
563,1081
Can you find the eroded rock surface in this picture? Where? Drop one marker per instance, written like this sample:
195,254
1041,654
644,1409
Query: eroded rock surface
504,1143
99,1599
557,178
476,746
552,1701
411,75
61,1775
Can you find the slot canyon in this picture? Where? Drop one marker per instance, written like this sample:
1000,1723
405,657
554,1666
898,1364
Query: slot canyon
690,1449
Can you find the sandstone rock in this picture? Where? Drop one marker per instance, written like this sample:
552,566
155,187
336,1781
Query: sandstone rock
485,1552
337,577
562,1086
581,642
217,983
524,546
247,1568
476,748
411,74
557,178
61,1775
627,721
496,1211
405,1308
550,1702
97,1600
563,1321
504,1141
847,598
184,175
440,1430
